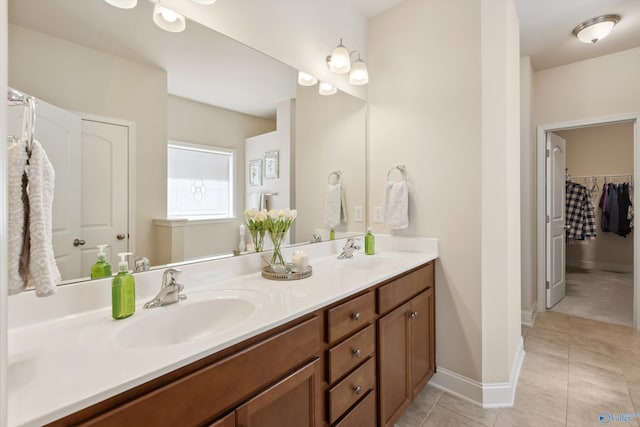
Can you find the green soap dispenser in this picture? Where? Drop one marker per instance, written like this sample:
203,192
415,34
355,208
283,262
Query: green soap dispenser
369,243
123,290
332,234
101,268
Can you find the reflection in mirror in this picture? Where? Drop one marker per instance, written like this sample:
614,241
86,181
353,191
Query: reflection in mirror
110,81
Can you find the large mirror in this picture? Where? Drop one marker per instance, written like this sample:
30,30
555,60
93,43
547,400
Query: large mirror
115,90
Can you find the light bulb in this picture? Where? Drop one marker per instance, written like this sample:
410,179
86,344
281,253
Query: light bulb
305,79
123,4
339,61
326,89
169,15
167,19
359,74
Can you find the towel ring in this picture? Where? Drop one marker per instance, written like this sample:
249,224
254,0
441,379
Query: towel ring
401,168
338,174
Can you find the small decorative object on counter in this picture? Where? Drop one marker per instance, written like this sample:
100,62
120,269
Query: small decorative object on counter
369,243
257,224
332,234
300,260
101,268
243,245
123,290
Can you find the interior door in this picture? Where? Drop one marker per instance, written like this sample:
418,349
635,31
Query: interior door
105,193
556,194
59,133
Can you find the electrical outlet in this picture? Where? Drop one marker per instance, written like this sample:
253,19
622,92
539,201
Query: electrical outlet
358,214
377,214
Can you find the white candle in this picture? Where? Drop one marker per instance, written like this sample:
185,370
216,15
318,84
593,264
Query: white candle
242,229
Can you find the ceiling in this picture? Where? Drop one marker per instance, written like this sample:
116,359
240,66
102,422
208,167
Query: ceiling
546,26
201,63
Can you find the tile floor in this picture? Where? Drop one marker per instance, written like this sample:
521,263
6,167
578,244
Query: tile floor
574,370
600,295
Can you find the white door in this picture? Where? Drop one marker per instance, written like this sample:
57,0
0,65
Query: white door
59,133
556,194
105,191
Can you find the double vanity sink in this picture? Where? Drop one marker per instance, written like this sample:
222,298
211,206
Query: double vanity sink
63,360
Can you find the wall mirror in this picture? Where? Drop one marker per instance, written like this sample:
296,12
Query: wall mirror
115,76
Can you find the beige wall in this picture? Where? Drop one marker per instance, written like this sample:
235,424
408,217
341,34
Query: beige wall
80,79
330,136
601,150
429,114
527,188
197,123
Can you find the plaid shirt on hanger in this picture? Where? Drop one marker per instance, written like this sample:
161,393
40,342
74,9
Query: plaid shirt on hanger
580,212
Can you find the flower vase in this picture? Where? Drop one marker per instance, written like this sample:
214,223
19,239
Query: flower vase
258,239
277,238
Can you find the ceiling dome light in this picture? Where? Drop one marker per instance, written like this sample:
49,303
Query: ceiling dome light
305,79
339,61
595,29
167,19
205,2
326,89
123,4
359,74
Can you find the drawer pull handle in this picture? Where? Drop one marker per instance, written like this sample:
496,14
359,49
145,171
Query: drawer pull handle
357,352
413,314
355,316
357,389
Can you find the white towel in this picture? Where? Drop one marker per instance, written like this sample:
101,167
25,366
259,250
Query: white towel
43,270
17,161
396,205
335,208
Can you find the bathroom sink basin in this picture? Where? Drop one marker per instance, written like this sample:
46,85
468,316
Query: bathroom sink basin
366,262
199,316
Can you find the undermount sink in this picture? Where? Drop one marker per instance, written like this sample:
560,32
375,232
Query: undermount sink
200,315
365,262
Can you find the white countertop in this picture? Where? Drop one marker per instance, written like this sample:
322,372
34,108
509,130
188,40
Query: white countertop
62,359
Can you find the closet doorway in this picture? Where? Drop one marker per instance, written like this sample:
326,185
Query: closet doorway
598,271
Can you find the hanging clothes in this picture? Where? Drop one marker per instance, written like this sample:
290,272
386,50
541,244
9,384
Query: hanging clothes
604,218
580,212
617,209
613,208
624,205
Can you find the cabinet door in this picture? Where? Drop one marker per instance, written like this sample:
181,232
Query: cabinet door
421,348
393,342
290,402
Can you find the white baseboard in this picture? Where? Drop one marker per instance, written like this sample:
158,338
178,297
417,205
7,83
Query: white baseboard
594,265
490,395
527,317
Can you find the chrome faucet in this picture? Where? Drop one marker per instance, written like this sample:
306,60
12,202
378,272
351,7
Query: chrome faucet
141,264
349,247
316,238
170,290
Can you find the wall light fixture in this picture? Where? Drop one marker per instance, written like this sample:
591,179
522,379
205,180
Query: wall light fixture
594,30
163,17
339,62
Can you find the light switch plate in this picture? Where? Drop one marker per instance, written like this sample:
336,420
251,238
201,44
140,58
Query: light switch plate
358,214
377,214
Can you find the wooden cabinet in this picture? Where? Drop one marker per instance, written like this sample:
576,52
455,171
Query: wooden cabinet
290,402
406,354
360,367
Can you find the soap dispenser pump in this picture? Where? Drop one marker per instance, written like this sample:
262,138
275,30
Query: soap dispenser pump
123,290
101,268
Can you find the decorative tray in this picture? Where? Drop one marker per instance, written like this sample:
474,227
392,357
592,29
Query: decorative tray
288,273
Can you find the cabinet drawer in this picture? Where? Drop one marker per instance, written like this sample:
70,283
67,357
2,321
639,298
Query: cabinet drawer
350,316
350,353
348,391
197,397
363,415
400,290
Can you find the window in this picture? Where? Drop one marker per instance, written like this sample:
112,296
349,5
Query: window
200,181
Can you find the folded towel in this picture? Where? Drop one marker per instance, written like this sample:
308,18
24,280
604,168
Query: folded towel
17,162
43,270
396,205
332,204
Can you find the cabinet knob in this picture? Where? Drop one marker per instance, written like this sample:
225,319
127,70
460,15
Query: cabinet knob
357,389
413,314
355,316
357,352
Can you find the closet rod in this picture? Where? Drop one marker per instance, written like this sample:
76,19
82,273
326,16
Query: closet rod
621,175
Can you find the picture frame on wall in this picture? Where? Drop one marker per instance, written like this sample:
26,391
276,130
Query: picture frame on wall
271,165
255,172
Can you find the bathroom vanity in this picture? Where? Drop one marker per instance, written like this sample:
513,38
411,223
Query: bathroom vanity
356,356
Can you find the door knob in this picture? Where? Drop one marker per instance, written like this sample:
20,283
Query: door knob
567,226
78,242
120,236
